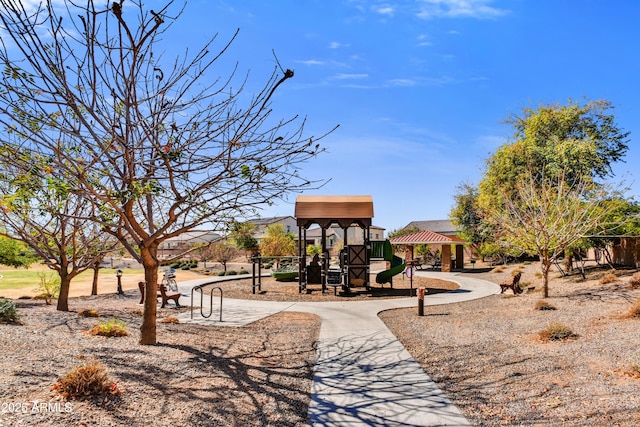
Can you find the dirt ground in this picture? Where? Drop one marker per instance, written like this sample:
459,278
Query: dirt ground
487,355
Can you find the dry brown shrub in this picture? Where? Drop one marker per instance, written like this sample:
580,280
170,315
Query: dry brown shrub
557,332
634,281
543,305
85,381
89,313
170,320
499,269
634,311
608,278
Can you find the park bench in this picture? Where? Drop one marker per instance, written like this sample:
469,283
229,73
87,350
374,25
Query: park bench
514,285
161,293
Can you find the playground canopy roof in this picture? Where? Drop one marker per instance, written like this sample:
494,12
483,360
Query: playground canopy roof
325,210
425,237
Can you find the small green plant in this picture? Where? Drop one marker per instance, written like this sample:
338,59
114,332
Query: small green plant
538,275
8,312
49,287
608,278
557,332
88,380
222,273
231,273
543,305
110,328
243,271
89,313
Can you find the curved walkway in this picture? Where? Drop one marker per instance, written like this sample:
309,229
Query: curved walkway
363,375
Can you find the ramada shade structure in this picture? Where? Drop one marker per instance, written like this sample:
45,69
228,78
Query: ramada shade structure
426,237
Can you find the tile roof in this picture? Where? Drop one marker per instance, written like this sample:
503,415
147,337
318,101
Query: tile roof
424,237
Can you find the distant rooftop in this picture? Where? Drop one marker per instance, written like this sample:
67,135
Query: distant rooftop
442,226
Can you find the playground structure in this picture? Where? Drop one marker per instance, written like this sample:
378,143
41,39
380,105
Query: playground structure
355,258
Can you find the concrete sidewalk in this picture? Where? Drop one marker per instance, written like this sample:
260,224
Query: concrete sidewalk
363,375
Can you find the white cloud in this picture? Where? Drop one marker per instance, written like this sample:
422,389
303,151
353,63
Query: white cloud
402,82
423,40
337,45
310,62
479,9
384,10
346,76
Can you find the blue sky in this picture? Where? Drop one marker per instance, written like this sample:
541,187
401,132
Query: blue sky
420,88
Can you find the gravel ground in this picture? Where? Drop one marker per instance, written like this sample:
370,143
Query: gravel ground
485,354
196,376
258,375
489,359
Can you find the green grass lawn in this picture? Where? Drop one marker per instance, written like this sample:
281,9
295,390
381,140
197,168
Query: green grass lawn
16,278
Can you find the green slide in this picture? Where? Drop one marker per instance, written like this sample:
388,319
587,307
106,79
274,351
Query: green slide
397,265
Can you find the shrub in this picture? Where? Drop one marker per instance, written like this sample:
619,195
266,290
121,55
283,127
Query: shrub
557,332
88,380
222,273
634,311
243,271
543,305
186,268
608,278
499,269
110,328
170,320
138,312
635,281
49,288
231,273
175,265
89,313
8,312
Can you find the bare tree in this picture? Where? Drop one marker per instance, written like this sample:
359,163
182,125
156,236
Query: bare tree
546,217
222,253
159,146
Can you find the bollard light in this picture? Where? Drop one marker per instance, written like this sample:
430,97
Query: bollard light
119,276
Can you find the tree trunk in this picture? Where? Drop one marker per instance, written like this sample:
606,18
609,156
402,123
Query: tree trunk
151,264
94,284
63,297
546,266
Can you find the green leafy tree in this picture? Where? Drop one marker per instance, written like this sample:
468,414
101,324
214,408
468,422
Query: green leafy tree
38,209
578,141
241,234
468,217
159,145
314,250
15,253
277,242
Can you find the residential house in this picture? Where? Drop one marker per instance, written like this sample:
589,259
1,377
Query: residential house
185,241
288,222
